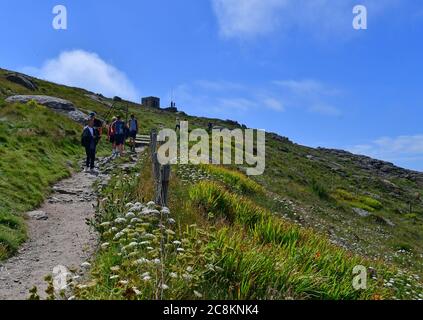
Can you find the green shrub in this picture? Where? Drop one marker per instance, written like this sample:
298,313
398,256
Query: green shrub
234,179
362,202
319,190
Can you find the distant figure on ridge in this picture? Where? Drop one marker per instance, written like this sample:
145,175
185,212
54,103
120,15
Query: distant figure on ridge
133,131
178,124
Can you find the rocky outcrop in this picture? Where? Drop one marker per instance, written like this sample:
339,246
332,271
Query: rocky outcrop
380,168
59,105
21,80
50,102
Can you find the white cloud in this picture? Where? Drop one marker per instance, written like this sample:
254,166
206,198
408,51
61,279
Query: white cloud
251,18
395,149
79,68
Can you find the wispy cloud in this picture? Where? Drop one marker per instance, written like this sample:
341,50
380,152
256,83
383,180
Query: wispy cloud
247,19
395,149
223,97
79,68
309,94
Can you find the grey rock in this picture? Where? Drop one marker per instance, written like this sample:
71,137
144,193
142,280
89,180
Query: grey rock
22,80
37,215
361,212
50,102
77,116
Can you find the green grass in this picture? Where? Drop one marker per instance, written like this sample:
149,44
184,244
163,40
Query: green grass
37,148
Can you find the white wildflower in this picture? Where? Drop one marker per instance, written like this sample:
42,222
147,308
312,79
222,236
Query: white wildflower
120,220
115,269
105,245
141,261
165,211
130,215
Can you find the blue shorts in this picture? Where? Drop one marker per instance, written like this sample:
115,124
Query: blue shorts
132,134
119,139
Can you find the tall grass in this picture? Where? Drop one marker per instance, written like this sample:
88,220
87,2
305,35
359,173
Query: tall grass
311,267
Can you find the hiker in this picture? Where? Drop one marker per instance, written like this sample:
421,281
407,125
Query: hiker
133,131
178,125
119,130
111,136
98,124
89,140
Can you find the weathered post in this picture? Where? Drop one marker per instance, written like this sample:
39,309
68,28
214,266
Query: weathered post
161,174
153,141
165,177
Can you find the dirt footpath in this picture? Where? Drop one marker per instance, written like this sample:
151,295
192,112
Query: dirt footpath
58,235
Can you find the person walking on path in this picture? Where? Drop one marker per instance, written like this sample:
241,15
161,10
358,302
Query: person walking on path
119,130
133,131
111,136
90,139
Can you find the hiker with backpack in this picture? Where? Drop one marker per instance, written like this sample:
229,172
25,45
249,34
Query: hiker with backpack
133,131
90,138
119,128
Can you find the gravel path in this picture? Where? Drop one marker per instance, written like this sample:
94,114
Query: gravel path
58,235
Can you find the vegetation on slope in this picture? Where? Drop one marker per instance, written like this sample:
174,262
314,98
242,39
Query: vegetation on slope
214,243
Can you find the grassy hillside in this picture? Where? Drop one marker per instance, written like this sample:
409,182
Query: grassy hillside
346,208
217,242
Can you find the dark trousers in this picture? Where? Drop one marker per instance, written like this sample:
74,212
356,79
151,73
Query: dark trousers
90,157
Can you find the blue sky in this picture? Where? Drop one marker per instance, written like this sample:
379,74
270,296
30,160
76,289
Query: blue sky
296,67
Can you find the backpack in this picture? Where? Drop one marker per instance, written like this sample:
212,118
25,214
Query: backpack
85,138
119,128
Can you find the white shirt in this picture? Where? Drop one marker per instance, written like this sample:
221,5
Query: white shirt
91,130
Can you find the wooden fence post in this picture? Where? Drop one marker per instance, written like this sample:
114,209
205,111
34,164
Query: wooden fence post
165,177
161,174
153,141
